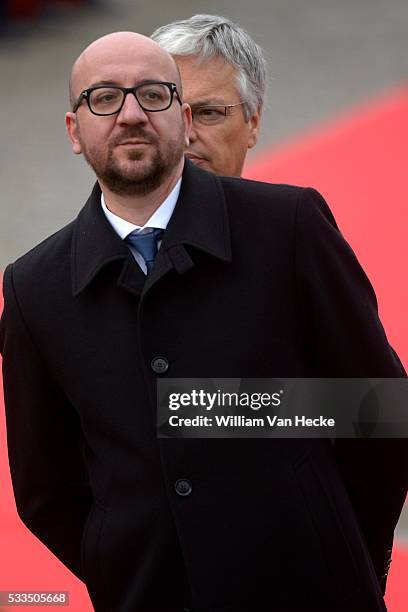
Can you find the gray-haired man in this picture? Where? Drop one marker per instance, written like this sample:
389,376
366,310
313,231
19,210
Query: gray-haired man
223,74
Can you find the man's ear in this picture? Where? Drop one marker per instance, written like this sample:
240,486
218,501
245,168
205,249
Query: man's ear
253,132
73,132
188,120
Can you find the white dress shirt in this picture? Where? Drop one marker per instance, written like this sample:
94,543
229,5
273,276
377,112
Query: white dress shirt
159,219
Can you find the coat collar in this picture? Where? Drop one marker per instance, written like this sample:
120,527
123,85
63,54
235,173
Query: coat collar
199,220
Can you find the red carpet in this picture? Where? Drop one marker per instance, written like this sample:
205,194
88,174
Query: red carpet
358,163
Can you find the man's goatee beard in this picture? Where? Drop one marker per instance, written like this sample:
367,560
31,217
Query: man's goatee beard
137,183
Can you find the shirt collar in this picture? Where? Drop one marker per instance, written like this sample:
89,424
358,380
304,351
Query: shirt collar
159,218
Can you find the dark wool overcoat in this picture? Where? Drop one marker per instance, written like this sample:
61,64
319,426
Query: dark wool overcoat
251,280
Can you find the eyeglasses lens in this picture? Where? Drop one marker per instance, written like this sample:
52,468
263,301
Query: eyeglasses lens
208,115
151,97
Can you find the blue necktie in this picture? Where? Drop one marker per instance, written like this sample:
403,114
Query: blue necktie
146,244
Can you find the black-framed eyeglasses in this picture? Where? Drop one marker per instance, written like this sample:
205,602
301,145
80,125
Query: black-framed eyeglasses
152,96
213,114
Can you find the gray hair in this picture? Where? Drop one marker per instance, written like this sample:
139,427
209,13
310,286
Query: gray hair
208,36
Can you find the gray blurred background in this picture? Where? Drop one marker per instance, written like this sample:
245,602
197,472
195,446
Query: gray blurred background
324,57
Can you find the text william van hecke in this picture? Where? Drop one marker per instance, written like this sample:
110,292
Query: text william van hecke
274,421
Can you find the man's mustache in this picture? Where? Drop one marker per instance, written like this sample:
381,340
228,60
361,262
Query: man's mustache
134,133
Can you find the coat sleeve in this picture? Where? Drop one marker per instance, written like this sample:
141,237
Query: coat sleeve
50,482
339,313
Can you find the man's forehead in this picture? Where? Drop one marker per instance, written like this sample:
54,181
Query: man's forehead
122,74
118,60
208,82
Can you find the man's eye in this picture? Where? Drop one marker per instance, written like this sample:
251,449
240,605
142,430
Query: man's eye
209,112
156,94
106,97
152,95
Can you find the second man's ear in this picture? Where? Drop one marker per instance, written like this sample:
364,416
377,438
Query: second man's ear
253,133
188,121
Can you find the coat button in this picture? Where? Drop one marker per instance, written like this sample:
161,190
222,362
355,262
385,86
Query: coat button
183,487
159,365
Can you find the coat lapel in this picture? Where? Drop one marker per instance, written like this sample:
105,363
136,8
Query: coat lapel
199,221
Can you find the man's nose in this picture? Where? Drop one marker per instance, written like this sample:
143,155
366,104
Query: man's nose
131,111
